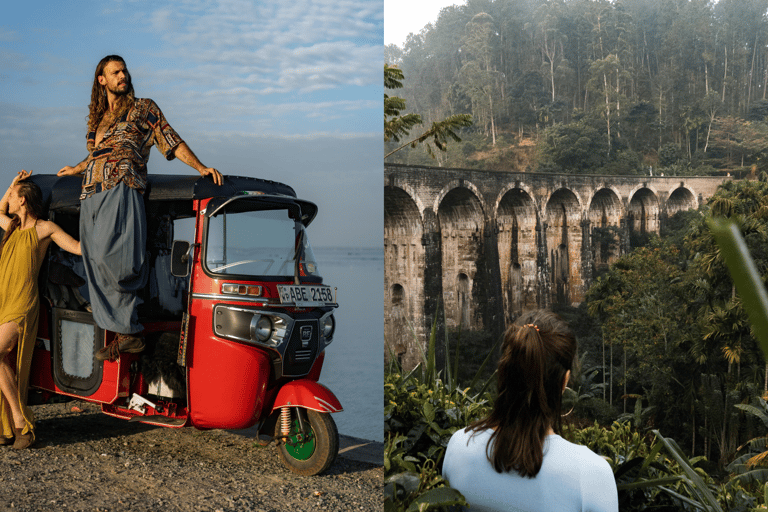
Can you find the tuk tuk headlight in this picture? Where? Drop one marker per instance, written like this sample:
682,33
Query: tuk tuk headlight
261,328
327,327
250,325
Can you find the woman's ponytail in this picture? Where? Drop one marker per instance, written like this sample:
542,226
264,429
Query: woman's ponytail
537,352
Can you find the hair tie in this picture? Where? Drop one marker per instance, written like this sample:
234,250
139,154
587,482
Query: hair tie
532,325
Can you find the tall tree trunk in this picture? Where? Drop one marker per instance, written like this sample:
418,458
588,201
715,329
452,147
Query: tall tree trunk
625,379
618,106
765,81
751,72
610,365
552,77
707,444
709,127
725,72
766,368
706,79
607,111
493,125
693,429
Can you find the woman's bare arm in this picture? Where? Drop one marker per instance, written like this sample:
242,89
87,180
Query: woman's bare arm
62,239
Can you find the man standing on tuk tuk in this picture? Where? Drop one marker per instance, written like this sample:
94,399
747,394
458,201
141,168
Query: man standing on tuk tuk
113,226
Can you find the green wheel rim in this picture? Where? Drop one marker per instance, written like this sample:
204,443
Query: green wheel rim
300,449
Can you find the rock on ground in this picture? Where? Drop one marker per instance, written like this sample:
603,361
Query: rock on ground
84,460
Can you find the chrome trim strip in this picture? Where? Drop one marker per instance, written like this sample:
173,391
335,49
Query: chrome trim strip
236,298
325,405
255,302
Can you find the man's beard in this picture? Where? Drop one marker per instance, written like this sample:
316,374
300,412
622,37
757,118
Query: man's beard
117,91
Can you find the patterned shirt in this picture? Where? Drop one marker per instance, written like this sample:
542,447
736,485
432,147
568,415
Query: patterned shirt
123,153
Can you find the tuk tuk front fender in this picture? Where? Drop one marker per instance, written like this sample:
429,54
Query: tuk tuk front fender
308,394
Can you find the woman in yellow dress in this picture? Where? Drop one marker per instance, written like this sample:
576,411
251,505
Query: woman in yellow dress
23,247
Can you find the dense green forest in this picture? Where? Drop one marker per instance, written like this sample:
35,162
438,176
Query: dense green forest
594,86
679,344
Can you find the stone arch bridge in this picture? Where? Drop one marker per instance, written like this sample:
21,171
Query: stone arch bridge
490,244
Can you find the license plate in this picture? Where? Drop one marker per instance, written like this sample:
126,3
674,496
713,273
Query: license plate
305,295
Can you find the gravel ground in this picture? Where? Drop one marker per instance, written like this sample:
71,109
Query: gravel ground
86,461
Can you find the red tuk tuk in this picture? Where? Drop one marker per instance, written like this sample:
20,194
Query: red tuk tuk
236,317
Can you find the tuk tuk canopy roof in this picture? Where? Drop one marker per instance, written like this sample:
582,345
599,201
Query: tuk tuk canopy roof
164,191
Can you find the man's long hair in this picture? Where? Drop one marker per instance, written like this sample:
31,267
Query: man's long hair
537,352
35,208
99,104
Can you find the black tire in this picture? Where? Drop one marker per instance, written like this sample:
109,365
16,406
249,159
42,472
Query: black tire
317,452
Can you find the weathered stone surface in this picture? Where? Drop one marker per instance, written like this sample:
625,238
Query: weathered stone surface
487,245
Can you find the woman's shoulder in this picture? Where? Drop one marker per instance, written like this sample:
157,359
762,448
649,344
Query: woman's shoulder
464,435
45,228
465,448
577,451
594,473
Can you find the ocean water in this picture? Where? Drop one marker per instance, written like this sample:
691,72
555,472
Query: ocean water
354,361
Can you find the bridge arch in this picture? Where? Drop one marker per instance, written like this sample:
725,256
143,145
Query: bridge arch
517,185
642,214
461,220
604,215
563,243
458,184
516,220
402,211
404,280
681,198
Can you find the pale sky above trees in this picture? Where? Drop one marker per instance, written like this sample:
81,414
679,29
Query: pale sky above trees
402,17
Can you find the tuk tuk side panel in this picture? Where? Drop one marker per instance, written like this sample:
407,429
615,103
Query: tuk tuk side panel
227,381
115,380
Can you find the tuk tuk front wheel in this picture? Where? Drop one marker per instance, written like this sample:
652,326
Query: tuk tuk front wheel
313,451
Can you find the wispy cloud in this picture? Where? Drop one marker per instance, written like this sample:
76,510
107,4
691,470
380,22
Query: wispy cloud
12,61
8,35
276,47
258,60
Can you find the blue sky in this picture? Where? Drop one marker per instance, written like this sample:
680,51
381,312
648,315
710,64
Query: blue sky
289,91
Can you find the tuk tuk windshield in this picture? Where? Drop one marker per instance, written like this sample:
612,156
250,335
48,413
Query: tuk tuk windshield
258,243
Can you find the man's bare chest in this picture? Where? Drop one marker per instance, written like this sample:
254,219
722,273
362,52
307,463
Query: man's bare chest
101,130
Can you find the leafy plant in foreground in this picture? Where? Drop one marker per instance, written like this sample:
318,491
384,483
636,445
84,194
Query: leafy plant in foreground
421,412
751,469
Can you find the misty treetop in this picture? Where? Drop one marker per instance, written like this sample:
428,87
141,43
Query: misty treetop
595,85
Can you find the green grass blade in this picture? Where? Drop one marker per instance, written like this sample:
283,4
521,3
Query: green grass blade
430,376
654,482
451,376
423,363
682,498
698,486
745,276
482,366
